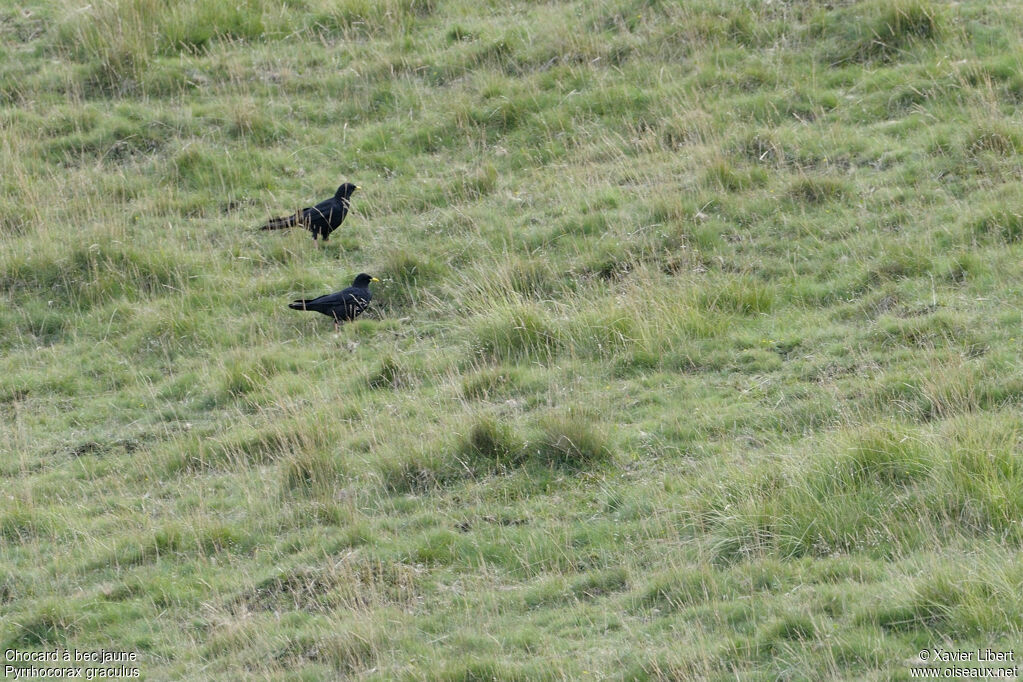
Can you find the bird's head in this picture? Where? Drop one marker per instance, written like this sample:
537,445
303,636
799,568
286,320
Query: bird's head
346,190
362,280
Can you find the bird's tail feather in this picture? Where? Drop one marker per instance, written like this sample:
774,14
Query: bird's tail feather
281,223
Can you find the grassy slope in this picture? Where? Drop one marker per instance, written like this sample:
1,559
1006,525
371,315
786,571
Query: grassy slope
696,355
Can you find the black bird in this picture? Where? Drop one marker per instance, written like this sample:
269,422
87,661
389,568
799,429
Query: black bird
343,305
321,219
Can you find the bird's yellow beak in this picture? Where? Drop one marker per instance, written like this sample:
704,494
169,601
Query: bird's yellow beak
373,279
357,187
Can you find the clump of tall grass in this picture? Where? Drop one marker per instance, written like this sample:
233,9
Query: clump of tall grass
996,138
404,278
421,469
474,185
95,271
392,373
517,334
901,24
51,622
817,190
313,470
534,278
122,37
722,175
604,332
571,441
888,490
490,383
882,456
743,295
955,598
357,18
246,444
1004,224
879,30
490,445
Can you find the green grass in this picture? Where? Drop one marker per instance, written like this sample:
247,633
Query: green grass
695,354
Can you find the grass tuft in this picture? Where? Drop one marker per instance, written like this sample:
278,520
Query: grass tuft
883,31
571,441
391,373
743,295
516,334
817,190
490,384
1002,224
313,471
490,445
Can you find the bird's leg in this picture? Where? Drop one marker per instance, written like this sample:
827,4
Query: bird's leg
337,326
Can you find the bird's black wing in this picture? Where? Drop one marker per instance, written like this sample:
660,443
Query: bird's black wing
358,298
316,216
328,300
